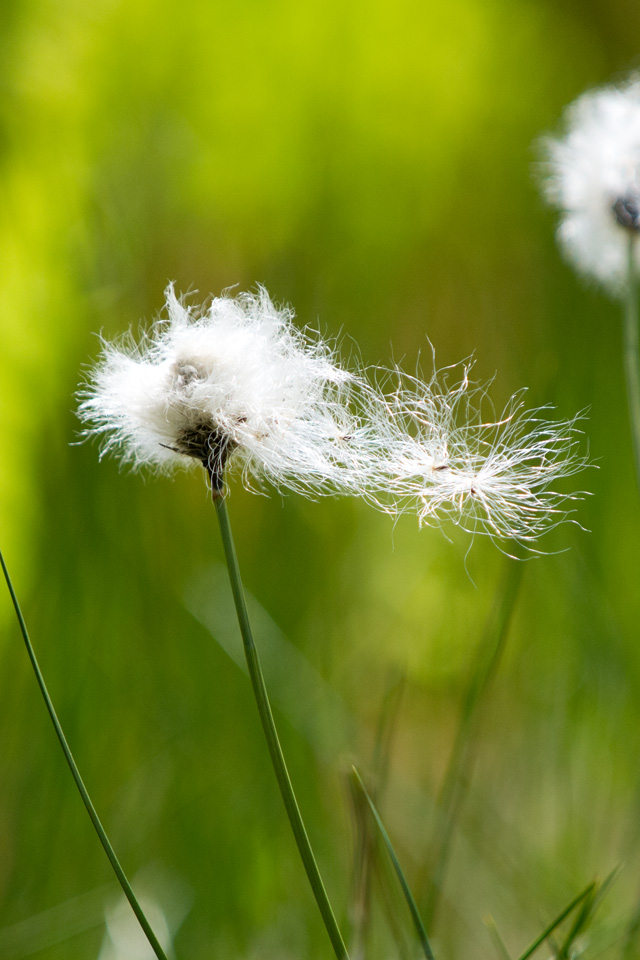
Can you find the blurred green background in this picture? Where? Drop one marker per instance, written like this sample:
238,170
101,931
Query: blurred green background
373,165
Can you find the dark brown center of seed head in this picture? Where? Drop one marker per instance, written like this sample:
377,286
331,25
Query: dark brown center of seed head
627,211
212,448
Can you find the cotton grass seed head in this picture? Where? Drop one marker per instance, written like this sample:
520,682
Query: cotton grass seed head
492,475
237,386
236,383
594,179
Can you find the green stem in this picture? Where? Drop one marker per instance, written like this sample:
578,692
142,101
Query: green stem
273,743
631,354
113,860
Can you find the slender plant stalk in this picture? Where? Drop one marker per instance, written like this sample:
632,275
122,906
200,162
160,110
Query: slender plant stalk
589,897
86,799
415,913
363,862
268,725
456,778
631,351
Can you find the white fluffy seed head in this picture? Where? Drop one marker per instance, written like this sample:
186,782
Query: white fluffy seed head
238,386
594,179
235,380
490,476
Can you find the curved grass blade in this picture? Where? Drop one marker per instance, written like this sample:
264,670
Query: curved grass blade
578,925
417,920
86,799
366,856
558,920
585,913
391,899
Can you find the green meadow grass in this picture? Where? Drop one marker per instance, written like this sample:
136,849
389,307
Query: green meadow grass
373,167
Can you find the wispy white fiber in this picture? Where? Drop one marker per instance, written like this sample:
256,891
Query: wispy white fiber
237,387
492,475
594,179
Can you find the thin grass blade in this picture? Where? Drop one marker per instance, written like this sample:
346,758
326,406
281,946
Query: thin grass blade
415,914
86,799
366,848
556,923
585,914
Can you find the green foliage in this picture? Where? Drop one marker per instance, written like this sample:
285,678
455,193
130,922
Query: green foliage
371,165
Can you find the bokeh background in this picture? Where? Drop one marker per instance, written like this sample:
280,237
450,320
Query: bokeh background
373,165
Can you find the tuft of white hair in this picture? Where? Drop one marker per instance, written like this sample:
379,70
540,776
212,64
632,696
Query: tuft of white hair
236,381
594,179
492,476
237,386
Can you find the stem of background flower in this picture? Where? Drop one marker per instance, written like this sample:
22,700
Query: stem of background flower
631,356
117,869
268,725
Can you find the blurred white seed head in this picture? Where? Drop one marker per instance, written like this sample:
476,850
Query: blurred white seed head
594,179
238,386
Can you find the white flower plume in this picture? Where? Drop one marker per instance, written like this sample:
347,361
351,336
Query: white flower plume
238,386
493,476
594,179
237,382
